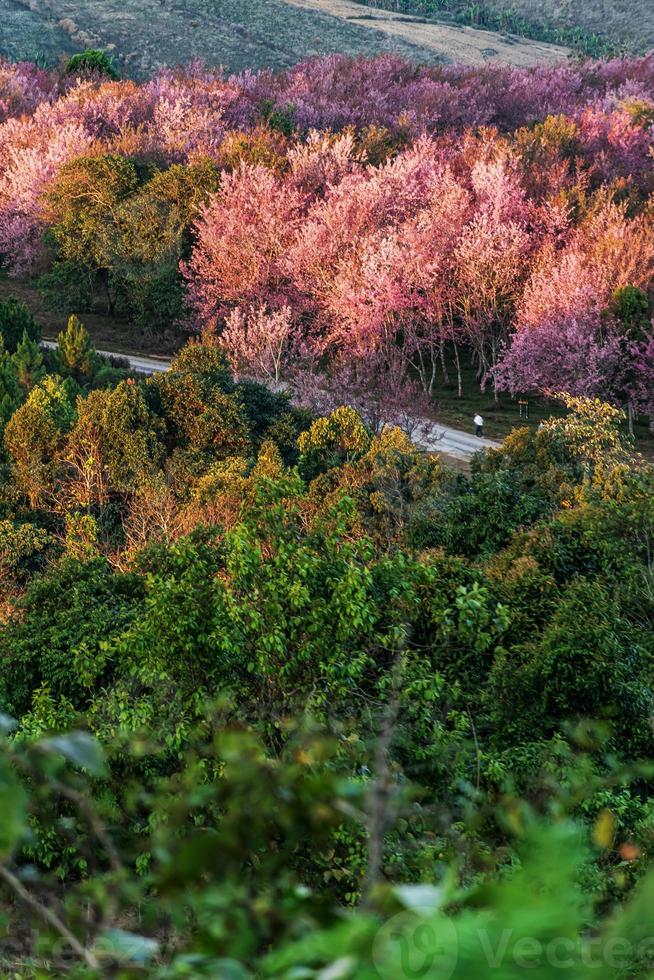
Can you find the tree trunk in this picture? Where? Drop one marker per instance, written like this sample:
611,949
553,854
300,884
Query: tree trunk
496,396
459,383
446,377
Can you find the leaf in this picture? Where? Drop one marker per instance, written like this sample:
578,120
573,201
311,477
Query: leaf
604,829
80,748
197,964
127,946
340,969
634,922
420,898
13,810
7,723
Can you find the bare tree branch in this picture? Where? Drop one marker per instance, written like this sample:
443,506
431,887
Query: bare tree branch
48,916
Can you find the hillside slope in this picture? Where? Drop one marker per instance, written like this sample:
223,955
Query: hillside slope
240,34
627,22
449,41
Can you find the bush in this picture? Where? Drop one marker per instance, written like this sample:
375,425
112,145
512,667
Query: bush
633,308
57,642
67,287
92,62
16,320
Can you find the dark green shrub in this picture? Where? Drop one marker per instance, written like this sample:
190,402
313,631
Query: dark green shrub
92,62
16,320
67,286
66,616
633,308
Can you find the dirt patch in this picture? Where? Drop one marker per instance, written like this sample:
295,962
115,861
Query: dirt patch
146,34
454,43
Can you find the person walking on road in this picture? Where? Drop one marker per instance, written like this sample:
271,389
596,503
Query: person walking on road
479,425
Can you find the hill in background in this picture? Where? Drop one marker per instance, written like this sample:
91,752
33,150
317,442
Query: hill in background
241,34
627,23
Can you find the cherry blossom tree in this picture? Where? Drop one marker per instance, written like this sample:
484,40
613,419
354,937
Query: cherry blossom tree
576,354
491,264
260,344
641,389
391,289
23,87
362,203
567,337
389,215
28,164
322,160
377,386
243,237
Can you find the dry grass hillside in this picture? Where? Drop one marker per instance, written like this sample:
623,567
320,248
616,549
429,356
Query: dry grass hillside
239,34
626,22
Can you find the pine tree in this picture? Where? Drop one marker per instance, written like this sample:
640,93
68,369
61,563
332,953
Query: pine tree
10,395
76,351
28,362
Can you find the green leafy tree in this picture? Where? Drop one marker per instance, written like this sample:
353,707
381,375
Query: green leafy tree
589,436
82,208
230,817
55,641
589,662
632,307
35,434
120,229
153,234
81,536
205,418
332,441
361,681
115,444
132,437
584,447
23,551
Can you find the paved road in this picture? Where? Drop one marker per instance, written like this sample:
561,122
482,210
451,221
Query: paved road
454,442
144,365
438,438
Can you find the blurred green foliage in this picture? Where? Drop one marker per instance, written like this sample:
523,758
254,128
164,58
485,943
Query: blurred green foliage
286,698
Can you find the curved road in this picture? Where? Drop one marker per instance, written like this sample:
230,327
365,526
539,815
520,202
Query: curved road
454,442
438,438
137,362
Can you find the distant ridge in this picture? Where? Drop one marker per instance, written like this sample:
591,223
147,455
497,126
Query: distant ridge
144,35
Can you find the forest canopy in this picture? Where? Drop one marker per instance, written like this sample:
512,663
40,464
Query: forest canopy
494,216
281,694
